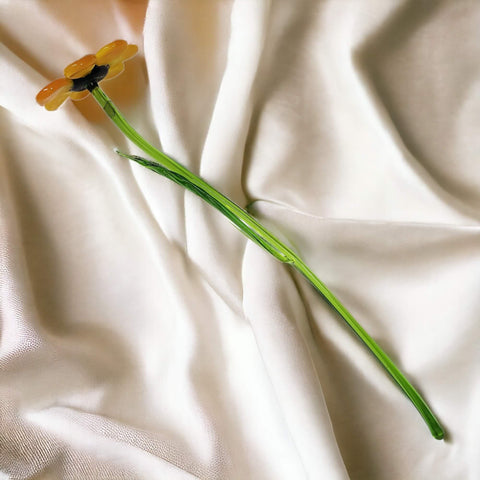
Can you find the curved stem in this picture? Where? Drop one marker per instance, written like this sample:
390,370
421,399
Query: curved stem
254,230
415,397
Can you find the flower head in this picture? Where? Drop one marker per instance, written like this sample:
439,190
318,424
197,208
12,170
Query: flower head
86,72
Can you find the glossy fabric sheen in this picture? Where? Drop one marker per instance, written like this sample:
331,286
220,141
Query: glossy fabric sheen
143,337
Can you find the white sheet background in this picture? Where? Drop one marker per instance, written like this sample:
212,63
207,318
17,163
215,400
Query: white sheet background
143,337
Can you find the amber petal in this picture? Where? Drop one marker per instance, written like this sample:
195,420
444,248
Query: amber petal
81,67
128,53
115,70
79,95
110,52
56,100
58,86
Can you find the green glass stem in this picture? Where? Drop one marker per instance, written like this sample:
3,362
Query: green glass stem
256,232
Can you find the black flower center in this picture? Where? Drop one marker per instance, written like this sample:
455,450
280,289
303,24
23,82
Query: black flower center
89,82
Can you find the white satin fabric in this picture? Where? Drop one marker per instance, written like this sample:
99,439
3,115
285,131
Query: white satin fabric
143,337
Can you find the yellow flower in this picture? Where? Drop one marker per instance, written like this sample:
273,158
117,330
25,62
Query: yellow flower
85,73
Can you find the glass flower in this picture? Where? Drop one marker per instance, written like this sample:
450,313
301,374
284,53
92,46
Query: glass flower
85,73
82,77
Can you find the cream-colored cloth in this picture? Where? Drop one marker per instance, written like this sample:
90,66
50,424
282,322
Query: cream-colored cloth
143,337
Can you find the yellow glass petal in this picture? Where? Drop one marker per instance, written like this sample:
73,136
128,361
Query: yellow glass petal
128,53
76,96
81,67
58,86
56,101
115,70
110,52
